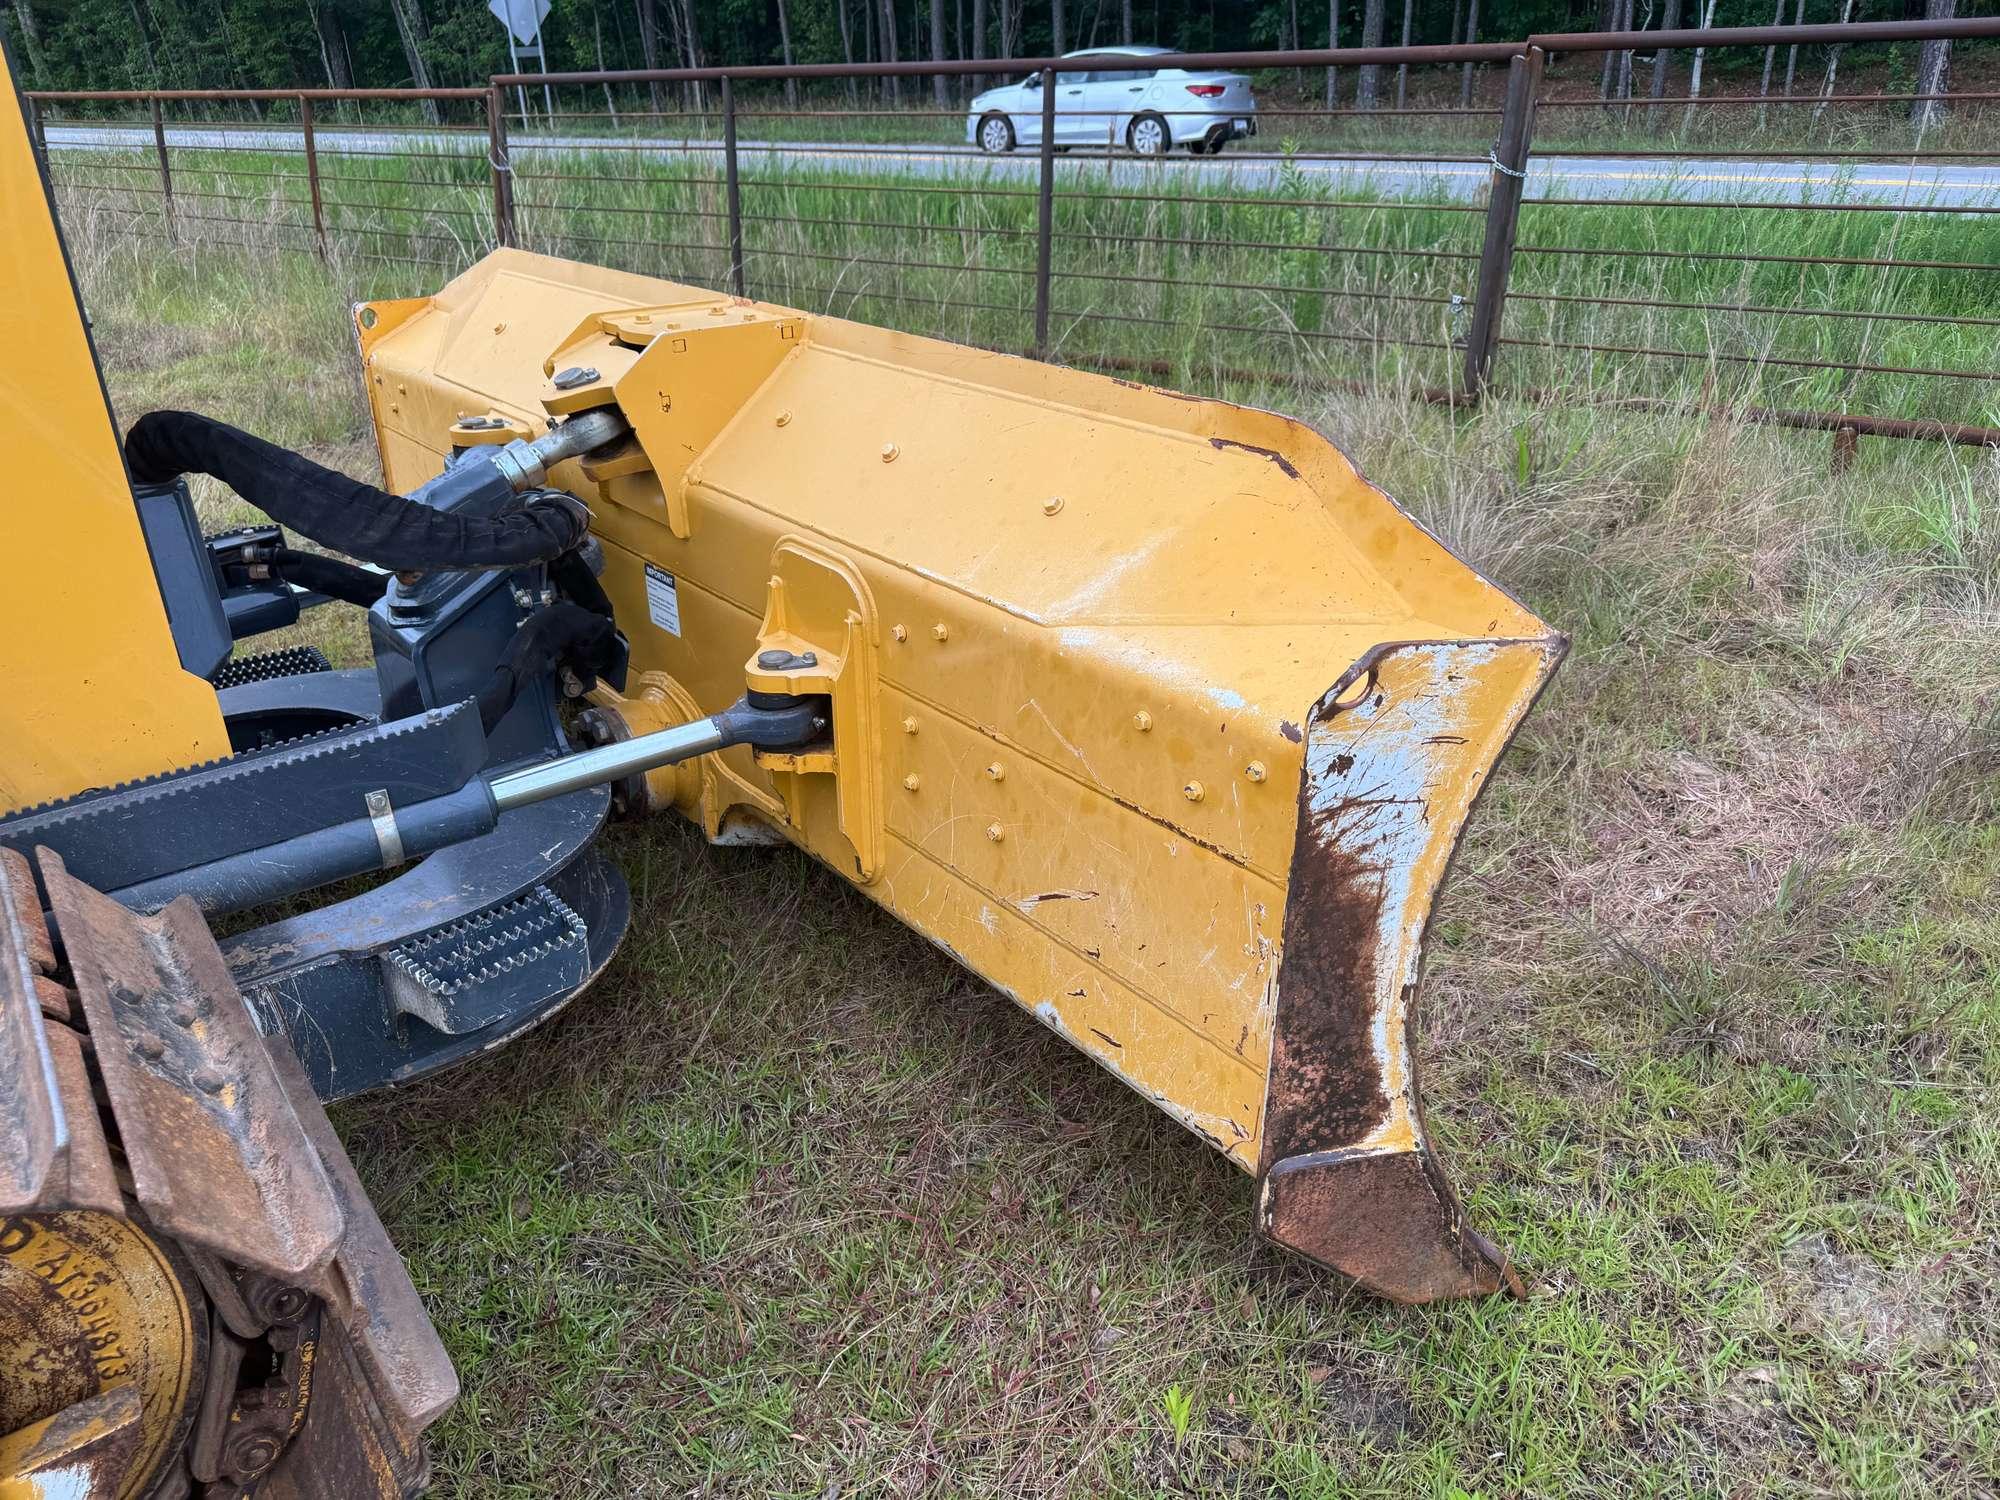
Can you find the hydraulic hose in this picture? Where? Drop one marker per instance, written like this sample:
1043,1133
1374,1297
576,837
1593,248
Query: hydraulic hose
345,514
330,576
562,634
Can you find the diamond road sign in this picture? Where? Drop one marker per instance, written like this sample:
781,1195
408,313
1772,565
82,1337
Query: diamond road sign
522,17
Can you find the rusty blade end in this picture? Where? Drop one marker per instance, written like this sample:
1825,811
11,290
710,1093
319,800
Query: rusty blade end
1388,1222
1396,755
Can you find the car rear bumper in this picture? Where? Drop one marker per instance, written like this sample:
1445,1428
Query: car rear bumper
1212,128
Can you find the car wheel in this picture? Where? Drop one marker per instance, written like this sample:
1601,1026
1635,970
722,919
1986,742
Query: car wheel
996,135
1147,136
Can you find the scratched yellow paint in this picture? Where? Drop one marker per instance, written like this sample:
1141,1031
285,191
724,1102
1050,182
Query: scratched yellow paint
1094,618
88,1284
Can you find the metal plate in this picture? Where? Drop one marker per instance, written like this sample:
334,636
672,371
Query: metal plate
33,1132
372,1295
217,1154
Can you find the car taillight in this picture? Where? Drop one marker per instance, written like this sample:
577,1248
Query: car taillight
1206,90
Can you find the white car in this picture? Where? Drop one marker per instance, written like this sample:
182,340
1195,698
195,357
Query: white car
1121,102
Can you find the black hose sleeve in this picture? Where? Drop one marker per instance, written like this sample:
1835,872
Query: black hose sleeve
562,634
331,577
344,514
572,575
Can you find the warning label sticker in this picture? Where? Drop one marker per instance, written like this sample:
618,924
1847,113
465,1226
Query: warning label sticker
663,599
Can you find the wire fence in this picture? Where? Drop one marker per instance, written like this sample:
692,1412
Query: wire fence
1515,223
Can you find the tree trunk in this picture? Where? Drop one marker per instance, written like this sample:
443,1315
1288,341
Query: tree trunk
1770,60
1332,41
1125,30
1368,82
785,46
1694,73
649,47
888,34
1010,27
31,40
153,79
1471,36
691,43
597,30
1403,69
407,23
1832,64
940,86
1624,88
1792,57
1056,45
231,52
1933,69
1663,57
847,52
1608,12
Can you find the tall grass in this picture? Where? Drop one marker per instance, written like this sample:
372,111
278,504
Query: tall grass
1195,280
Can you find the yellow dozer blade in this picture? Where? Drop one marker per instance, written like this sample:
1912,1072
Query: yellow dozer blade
1149,709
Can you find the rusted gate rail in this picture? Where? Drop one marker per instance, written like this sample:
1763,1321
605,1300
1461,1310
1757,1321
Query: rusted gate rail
1182,273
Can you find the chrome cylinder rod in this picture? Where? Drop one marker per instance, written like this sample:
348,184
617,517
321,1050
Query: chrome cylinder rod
526,464
572,773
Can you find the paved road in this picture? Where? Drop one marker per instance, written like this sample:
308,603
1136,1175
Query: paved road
1708,179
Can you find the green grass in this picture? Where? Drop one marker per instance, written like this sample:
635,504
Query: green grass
1197,284
791,1205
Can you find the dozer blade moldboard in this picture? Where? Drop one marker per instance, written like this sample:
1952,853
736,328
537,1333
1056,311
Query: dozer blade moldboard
194,1291
1149,709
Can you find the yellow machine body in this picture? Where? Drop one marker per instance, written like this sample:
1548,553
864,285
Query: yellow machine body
96,691
1147,708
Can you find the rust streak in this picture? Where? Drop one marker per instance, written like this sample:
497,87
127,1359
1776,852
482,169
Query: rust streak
1290,469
